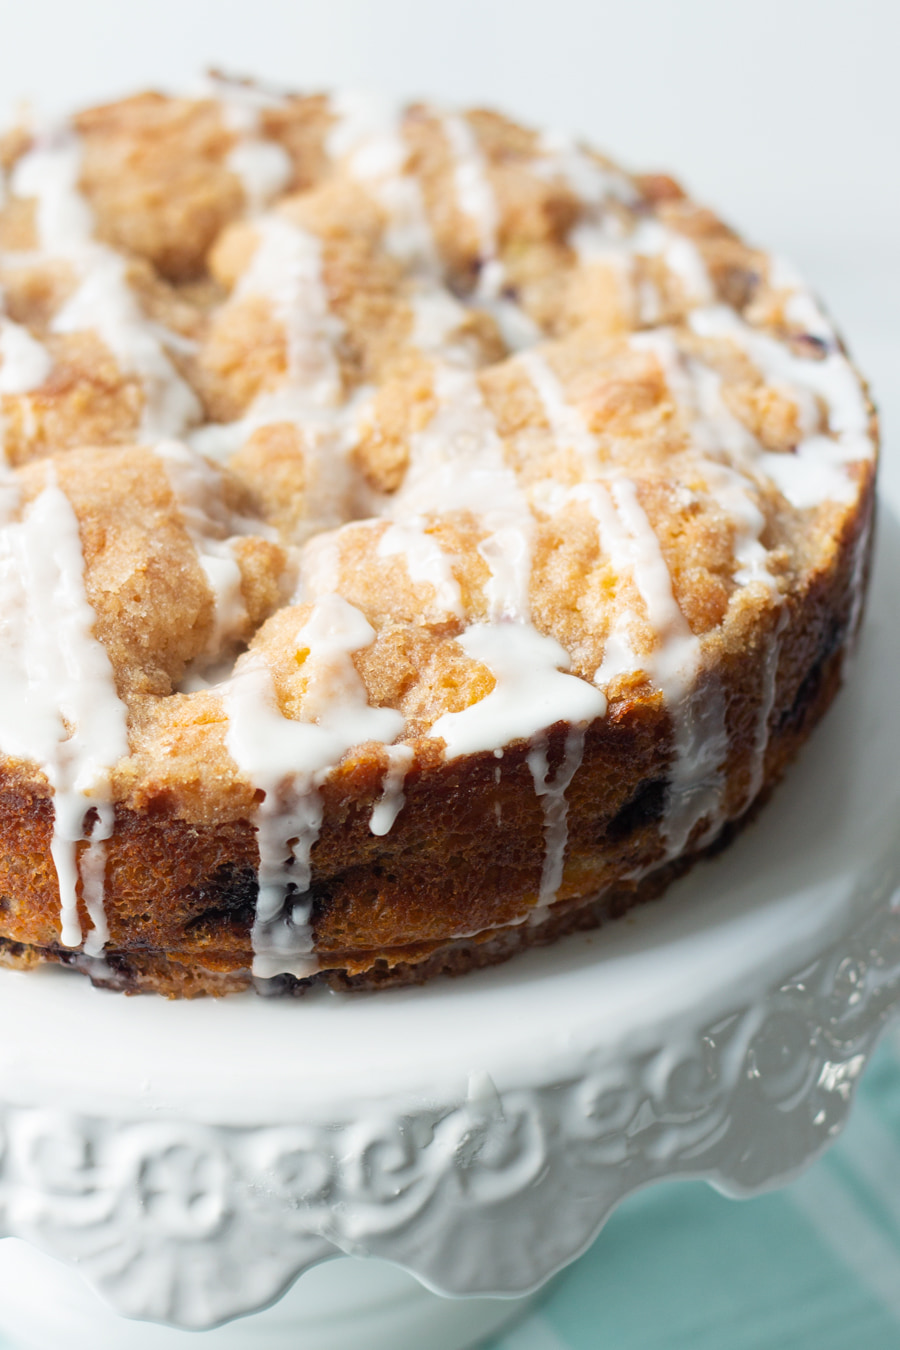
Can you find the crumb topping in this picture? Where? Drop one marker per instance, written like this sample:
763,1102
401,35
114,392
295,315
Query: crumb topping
381,426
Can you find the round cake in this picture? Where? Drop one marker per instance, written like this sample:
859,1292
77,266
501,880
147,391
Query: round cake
420,538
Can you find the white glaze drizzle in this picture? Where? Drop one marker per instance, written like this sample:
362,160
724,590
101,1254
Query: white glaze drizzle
457,464
437,319
699,739
268,749
92,866
559,156
320,568
768,690
103,302
476,199
699,736
629,540
50,173
715,430
288,760
58,701
815,472
619,656
286,268
325,436
627,537
552,794
533,690
425,561
437,314
601,240
527,666
517,329
568,427
681,256
367,136
718,435
604,243
263,166
25,363
392,799
197,488
474,192
365,132
601,245
800,308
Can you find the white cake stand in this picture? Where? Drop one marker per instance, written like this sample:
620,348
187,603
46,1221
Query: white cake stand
192,1159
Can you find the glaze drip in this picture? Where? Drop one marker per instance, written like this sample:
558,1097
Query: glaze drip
392,799
533,689
58,701
552,794
289,759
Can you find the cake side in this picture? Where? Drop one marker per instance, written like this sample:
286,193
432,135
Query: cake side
435,537
396,915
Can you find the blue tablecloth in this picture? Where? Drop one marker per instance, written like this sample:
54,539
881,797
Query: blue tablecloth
815,1266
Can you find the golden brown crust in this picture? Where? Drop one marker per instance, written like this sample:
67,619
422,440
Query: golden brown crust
208,965
297,496
403,899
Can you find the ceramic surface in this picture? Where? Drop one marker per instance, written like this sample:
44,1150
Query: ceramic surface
342,1303
193,1158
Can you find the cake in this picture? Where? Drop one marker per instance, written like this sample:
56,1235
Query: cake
420,538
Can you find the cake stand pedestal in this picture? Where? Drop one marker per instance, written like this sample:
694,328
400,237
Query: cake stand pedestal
191,1160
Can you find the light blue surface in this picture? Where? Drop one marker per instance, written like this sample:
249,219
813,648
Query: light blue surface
815,1266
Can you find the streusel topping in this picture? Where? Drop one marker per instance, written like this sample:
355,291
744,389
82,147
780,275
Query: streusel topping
331,425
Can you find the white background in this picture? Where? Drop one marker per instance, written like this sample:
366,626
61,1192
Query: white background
783,114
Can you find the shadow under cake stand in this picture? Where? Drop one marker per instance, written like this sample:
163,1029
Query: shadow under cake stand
183,1163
